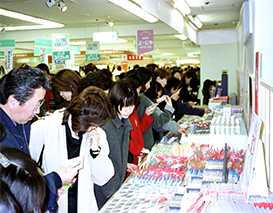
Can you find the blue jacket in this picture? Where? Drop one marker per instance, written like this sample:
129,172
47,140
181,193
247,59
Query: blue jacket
184,109
18,137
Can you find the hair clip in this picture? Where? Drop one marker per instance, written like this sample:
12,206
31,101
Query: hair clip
4,161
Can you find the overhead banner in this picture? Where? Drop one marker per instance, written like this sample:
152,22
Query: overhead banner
145,41
60,46
8,60
92,51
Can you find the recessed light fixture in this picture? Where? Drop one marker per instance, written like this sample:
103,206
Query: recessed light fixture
50,3
62,6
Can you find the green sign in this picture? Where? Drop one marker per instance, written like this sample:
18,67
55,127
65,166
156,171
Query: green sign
39,42
39,52
61,55
35,60
7,43
76,50
2,54
92,57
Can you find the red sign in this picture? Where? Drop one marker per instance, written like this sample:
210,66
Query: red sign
134,57
145,41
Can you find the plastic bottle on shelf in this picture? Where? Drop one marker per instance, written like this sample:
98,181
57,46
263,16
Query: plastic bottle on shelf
223,127
217,127
232,127
228,127
238,127
212,127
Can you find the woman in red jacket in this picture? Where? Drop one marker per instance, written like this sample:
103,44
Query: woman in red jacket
136,145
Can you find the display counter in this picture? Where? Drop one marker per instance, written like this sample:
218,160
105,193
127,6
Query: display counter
194,173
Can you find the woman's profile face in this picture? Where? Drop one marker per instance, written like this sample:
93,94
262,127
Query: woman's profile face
66,95
126,111
188,80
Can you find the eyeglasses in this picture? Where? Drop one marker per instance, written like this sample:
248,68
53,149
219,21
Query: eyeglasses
37,106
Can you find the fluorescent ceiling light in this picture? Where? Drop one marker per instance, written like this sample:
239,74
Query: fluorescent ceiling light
133,8
166,53
43,24
181,36
182,6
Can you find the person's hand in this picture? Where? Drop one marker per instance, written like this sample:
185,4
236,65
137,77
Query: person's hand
131,167
175,95
66,174
94,138
146,151
191,103
61,191
207,110
150,110
181,131
168,100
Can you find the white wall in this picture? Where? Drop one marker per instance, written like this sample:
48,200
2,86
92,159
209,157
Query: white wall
219,52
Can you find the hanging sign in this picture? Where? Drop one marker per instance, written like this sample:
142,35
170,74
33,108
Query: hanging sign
145,41
8,60
58,65
7,44
60,46
40,42
92,51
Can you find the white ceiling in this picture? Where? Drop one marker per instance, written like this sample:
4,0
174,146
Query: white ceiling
215,15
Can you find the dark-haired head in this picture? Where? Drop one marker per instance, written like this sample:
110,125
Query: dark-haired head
44,67
107,73
89,68
122,94
90,108
145,75
25,183
155,91
172,82
21,82
135,81
66,80
97,79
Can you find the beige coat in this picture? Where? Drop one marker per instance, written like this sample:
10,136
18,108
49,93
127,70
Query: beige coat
52,134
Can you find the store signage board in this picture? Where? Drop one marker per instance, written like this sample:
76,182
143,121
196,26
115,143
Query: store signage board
259,181
38,52
60,46
43,43
8,62
61,55
7,44
145,41
2,53
251,153
58,65
75,50
92,51
134,57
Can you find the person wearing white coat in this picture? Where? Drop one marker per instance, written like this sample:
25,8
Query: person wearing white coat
80,121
